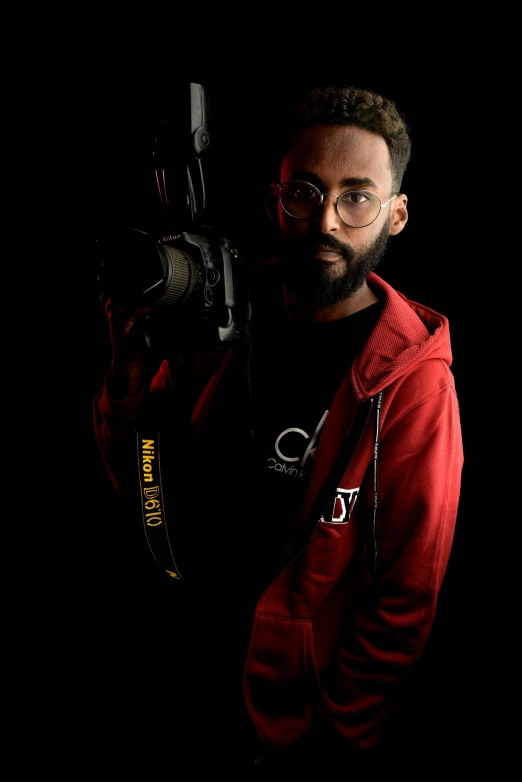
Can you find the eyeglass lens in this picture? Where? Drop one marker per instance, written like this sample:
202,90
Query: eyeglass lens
356,207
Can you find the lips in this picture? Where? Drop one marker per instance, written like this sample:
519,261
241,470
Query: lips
320,249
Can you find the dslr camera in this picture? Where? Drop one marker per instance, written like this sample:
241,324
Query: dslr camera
193,279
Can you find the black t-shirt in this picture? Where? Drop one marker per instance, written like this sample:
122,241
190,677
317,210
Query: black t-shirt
294,379
250,489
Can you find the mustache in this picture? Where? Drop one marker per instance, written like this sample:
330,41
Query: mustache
308,244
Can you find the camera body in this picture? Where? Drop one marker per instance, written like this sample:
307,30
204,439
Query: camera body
194,280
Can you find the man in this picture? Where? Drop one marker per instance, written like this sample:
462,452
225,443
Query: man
316,466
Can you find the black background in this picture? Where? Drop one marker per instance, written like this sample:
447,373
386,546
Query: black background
444,710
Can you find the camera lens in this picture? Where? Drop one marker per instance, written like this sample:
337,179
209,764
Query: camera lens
181,278
137,270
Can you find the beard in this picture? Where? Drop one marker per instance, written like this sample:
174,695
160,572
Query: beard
315,283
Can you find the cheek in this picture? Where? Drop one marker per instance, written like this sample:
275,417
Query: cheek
359,239
289,226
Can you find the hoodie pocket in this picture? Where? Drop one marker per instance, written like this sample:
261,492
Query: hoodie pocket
281,683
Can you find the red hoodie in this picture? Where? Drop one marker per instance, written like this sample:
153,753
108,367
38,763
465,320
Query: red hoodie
320,644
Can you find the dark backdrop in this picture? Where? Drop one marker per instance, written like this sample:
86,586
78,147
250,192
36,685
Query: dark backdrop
442,710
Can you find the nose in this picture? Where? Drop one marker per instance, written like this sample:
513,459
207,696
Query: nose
327,218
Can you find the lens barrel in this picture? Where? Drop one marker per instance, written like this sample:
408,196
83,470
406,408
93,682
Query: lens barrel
183,276
138,270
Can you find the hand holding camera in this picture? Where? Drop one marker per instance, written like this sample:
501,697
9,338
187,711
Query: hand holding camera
128,343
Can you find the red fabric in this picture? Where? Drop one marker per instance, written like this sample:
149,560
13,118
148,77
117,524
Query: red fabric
312,641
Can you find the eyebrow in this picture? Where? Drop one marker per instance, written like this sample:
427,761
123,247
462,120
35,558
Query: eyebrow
346,182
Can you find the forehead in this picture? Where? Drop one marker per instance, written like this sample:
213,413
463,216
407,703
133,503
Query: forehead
337,152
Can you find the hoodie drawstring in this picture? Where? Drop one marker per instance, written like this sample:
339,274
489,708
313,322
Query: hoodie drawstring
375,525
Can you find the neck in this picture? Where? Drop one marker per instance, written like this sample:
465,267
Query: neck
361,299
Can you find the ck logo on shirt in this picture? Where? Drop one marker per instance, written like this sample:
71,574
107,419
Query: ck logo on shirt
287,454
340,510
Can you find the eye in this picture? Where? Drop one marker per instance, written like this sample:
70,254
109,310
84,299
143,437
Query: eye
356,197
301,192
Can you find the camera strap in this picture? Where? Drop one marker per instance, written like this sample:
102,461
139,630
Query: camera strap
152,501
157,416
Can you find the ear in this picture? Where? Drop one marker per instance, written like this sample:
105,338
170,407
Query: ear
399,215
271,204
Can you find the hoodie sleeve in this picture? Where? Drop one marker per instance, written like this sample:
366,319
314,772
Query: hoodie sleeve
178,390
419,478
114,430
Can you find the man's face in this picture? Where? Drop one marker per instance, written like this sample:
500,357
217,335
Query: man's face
325,261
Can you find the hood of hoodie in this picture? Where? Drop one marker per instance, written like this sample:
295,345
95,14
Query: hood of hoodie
407,332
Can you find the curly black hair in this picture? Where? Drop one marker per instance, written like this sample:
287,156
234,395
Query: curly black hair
346,105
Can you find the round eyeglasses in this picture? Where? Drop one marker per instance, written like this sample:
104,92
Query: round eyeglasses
356,208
